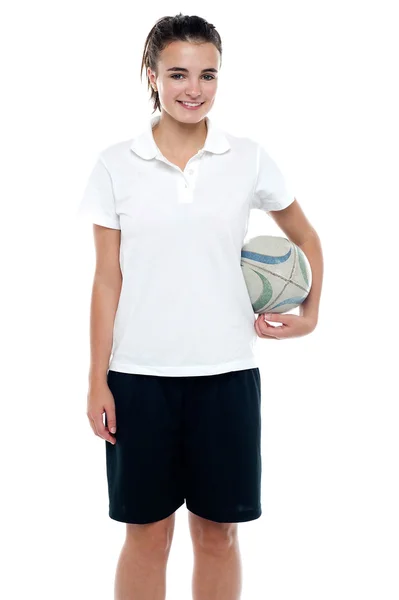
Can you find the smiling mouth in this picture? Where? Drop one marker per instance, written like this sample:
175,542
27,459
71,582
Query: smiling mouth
191,103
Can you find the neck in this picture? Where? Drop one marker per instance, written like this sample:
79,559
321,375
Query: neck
171,134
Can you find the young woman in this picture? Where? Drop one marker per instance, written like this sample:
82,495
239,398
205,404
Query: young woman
182,391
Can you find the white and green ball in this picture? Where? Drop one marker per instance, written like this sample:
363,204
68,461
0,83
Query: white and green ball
277,273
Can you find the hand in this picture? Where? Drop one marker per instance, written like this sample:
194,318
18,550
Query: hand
292,325
99,400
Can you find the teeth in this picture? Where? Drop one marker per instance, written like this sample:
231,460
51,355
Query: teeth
192,103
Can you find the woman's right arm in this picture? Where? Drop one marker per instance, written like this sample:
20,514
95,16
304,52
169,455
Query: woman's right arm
106,291
104,303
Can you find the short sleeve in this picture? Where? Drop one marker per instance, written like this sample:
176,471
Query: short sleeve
271,190
98,201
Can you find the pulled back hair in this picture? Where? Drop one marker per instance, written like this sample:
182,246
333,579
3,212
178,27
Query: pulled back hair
169,29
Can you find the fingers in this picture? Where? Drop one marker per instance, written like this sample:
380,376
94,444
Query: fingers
110,418
258,331
98,427
104,431
263,329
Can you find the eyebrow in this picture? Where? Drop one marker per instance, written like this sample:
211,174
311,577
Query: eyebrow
186,70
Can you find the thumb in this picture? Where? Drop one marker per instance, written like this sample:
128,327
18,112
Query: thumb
283,318
269,316
111,418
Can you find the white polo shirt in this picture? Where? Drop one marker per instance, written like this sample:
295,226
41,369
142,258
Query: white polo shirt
184,307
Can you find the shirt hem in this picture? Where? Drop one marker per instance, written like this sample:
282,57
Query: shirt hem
188,371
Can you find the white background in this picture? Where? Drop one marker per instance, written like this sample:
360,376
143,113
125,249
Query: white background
316,84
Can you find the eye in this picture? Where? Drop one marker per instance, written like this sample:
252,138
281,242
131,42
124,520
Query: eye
180,75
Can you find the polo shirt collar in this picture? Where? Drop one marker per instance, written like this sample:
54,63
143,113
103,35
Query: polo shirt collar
144,144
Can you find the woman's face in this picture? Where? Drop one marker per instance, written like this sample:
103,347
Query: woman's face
196,82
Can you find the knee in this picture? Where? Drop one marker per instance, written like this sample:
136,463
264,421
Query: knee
212,536
151,537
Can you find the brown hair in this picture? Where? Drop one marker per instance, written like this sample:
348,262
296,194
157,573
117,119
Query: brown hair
169,29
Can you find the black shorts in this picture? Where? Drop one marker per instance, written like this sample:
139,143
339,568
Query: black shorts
195,439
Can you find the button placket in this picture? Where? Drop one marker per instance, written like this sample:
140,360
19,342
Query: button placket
189,176
187,190
192,170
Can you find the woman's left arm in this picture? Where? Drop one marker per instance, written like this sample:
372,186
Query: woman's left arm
293,222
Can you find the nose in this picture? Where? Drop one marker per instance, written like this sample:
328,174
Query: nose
193,90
